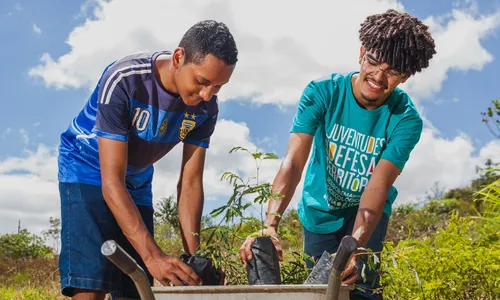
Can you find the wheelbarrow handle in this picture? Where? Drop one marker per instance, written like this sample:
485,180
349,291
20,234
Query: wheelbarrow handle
113,252
348,245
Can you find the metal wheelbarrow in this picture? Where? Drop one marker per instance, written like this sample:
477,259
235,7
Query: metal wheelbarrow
334,290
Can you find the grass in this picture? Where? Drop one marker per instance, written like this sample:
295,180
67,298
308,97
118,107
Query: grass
29,279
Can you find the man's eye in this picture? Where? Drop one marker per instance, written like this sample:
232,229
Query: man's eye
394,73
202,82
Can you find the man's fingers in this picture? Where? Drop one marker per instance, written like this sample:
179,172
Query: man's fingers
222,278
348,271
243,256
351,279
191,277
164,282
175,281
248,248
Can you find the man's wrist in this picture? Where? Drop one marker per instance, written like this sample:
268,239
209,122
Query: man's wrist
151,251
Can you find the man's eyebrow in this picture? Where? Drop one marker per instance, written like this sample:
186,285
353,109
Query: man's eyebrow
208,81
204,78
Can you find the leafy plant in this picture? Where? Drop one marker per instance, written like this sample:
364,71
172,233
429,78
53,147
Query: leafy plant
461,261
54,233
222,241
492,118
23,245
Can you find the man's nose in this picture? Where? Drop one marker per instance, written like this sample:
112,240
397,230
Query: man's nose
206,93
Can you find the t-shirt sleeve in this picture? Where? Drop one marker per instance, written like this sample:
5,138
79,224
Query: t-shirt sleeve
112,117
311,109
402,140
200,136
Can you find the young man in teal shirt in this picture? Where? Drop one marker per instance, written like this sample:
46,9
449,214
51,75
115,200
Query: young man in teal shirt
362,129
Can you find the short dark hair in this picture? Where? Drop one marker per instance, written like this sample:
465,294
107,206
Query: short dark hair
398,39
209,37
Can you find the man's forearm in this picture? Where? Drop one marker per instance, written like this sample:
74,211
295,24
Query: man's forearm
129,219
369,213
190,208
285,183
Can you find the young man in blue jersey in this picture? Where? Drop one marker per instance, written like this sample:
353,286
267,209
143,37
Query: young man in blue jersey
362,129
143,105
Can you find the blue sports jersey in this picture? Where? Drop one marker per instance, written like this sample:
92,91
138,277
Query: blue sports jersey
129,104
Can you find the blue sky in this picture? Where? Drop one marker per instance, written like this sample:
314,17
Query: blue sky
57,19
35,113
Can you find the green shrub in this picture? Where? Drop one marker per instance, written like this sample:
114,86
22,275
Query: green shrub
23,245
461,261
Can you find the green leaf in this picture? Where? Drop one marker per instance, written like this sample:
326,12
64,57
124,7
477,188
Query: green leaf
238,148
257,155
270,155
218,211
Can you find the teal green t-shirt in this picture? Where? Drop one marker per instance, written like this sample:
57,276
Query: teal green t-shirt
348,143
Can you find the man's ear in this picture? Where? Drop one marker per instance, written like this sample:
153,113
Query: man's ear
406,78
178,57
361,53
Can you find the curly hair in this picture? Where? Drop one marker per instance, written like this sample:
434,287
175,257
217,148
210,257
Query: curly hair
398,39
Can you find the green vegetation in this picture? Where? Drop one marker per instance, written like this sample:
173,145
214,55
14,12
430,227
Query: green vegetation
445,248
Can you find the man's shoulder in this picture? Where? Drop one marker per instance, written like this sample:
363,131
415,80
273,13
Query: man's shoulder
332,78
328,84
404,111
403,104
136,59
136,63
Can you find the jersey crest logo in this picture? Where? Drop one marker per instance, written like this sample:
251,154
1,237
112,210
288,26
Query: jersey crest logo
163,126
187,125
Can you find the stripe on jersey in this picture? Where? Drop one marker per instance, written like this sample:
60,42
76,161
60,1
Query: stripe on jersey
107,91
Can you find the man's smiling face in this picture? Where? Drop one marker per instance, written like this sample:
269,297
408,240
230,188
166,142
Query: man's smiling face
376,79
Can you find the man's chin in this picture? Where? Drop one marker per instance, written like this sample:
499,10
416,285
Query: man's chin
369,99
191,102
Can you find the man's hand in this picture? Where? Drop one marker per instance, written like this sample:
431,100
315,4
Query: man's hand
246,248
350,273
167,269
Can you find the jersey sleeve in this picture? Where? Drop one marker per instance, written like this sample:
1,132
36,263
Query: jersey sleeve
311,109
201,135
402,140
112,117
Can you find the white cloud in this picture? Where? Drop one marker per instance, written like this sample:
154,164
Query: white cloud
24,136
28,184
36,124
451,162
458,44
36,29
228,134
18,7
278,56
28,191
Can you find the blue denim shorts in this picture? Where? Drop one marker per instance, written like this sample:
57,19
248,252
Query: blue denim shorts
315,244
87,223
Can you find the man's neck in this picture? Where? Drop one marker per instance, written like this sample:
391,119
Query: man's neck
165,73
356,91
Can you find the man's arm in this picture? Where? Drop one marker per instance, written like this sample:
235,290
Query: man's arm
371,205
190,195
288,177
113,158
285,183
